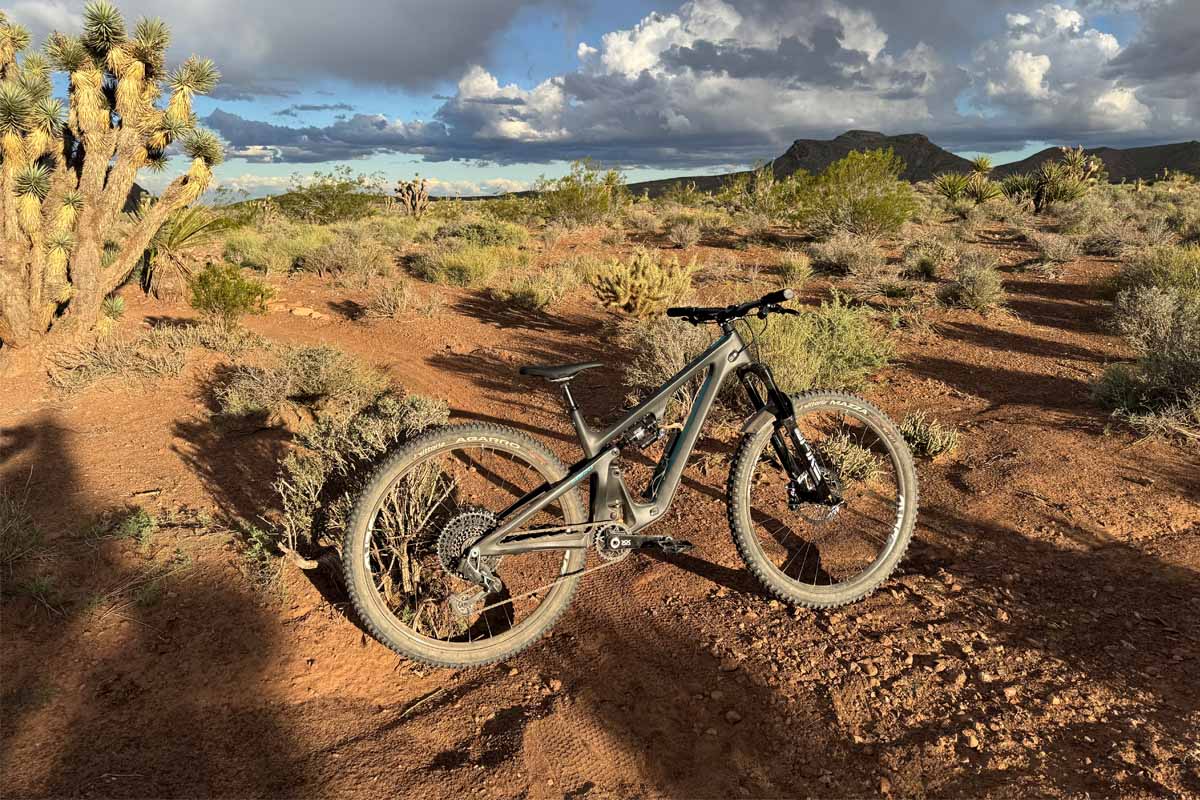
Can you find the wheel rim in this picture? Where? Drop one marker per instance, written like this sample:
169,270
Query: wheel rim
813,547
429,514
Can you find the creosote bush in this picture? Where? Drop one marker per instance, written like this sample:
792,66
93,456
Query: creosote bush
926,436
1054,248
644,284
303,376
836,346
860,194
585,196
977,283
538,291
483,233
224,294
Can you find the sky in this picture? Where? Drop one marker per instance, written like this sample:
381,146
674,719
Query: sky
485,96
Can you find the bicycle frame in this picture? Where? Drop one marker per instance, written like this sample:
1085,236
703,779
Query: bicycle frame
610,496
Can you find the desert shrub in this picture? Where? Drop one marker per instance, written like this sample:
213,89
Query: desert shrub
554,233
721,263
224,294
465,265
1011,213
1054,248
980,190
683,231
113,307
392,231
537,291
860,194
795,268
1185,223
390,301
1065,180
642,220
83,365
483,233
613,237
836,346
279,249
206,334
684,193
853,462
353,253
320,478
1163,266
847,254
929,256
661,347
926,436
19,536
977,284
332,196
644,284
585,196
303,376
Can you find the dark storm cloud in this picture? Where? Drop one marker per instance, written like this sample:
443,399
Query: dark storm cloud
1166,48
304,108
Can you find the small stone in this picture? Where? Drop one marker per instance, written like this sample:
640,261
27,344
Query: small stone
872,670
710,731
732,717
717,695
885,786
1010,693
971,739
302,311
986,677
513,671
555,685
728,665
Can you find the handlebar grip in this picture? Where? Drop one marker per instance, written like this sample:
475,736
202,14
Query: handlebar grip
679,312
781,296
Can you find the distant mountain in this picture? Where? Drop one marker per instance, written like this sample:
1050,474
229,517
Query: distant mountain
1128,164
923,159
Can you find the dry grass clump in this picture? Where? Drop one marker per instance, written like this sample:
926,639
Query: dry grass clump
847,254
19,536
977,283
662,347
646,283
303,376
538,291
276,248
106,359
466,264
926,436
353,254
641,220
836,346
683,230
795,268
929,256
390,301
1053,248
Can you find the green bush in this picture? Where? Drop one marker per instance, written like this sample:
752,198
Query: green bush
837,346
333,196
222,293
585,196
1165,267
795,268
279,248
538,291
483,233
860,194
466,265
977,283
644,284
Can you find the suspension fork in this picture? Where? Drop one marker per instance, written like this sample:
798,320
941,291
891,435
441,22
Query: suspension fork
806,480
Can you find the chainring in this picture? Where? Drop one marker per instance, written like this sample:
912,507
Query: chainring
602,538
462,531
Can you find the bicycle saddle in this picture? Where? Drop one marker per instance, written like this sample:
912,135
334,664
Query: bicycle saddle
559,374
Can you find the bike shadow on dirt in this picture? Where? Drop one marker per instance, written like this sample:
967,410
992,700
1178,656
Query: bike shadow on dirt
137,671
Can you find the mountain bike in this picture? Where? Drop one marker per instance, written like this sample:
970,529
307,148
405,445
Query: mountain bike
469,542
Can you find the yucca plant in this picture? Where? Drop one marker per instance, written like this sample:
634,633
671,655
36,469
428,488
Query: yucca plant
951,185
166,270
1066,180
67,169
981,165
980,189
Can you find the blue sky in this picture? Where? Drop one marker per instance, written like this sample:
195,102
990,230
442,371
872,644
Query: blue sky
485,97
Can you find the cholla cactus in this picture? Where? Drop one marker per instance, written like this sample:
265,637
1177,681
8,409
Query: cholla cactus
66,170
413,196
643,285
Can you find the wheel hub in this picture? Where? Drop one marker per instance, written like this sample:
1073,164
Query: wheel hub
462,531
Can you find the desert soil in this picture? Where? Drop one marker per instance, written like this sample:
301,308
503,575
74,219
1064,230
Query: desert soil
1041,639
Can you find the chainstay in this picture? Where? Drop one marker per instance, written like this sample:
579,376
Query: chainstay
576,574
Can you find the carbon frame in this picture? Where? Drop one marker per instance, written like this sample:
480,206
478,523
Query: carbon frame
610,496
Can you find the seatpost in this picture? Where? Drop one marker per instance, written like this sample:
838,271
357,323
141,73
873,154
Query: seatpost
576,417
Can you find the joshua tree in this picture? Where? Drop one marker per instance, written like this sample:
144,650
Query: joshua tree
67,171
413,196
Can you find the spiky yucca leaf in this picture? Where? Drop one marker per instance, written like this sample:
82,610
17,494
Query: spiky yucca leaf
151,37
15,105
167,130
34,76
982,165
156,161
47,115
103,27
13,38
60,241
951,185
66,53
204,145
72,204
194,76
34,180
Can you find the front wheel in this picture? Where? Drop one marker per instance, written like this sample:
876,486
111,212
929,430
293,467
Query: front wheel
812,554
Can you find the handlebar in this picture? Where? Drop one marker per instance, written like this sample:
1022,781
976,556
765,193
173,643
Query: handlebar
767,304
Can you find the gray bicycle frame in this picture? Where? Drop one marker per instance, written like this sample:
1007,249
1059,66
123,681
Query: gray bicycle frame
610,495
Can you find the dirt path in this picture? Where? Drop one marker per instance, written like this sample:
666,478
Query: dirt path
1042,638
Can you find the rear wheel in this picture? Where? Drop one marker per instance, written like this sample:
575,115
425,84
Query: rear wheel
812,554
418,515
